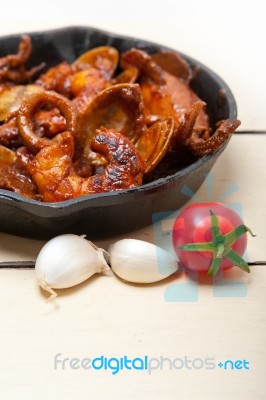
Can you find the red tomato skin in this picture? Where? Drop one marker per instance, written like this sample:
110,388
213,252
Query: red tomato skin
193,225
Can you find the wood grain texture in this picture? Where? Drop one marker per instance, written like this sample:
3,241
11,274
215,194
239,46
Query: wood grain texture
105,316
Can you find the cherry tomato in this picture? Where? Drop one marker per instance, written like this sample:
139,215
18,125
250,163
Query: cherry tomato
210,236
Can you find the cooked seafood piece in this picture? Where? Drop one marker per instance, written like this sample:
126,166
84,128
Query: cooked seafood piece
7,156
10,98
98,124
12,67
118,107
13,173
166,95
103,58
155,142
28,108
57,79
53,172
171,62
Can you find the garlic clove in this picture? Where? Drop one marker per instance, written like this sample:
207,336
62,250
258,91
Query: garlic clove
66,261
138,261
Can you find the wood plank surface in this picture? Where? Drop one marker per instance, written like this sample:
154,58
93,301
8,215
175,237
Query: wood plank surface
174,319
184,324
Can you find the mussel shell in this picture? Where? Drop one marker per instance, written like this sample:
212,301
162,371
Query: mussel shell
175,65
118,107
7,156
107,214
10,98
103,58
155,142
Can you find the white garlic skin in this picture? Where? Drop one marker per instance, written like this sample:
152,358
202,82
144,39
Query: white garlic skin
68,260
138,261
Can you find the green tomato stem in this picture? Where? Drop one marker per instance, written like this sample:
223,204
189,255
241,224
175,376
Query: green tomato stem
220,246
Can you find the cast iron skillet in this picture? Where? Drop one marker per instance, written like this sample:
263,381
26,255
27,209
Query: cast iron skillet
106,214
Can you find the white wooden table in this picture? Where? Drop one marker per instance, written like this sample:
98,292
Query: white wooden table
106,317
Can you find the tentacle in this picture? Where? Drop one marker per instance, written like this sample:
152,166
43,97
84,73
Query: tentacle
52,168
16,60
119,107
201,147
12,66
144,63
125,166
20,75
26,112
185,130
166,91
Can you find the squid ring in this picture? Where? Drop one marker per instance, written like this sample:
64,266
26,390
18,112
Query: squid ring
26,112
